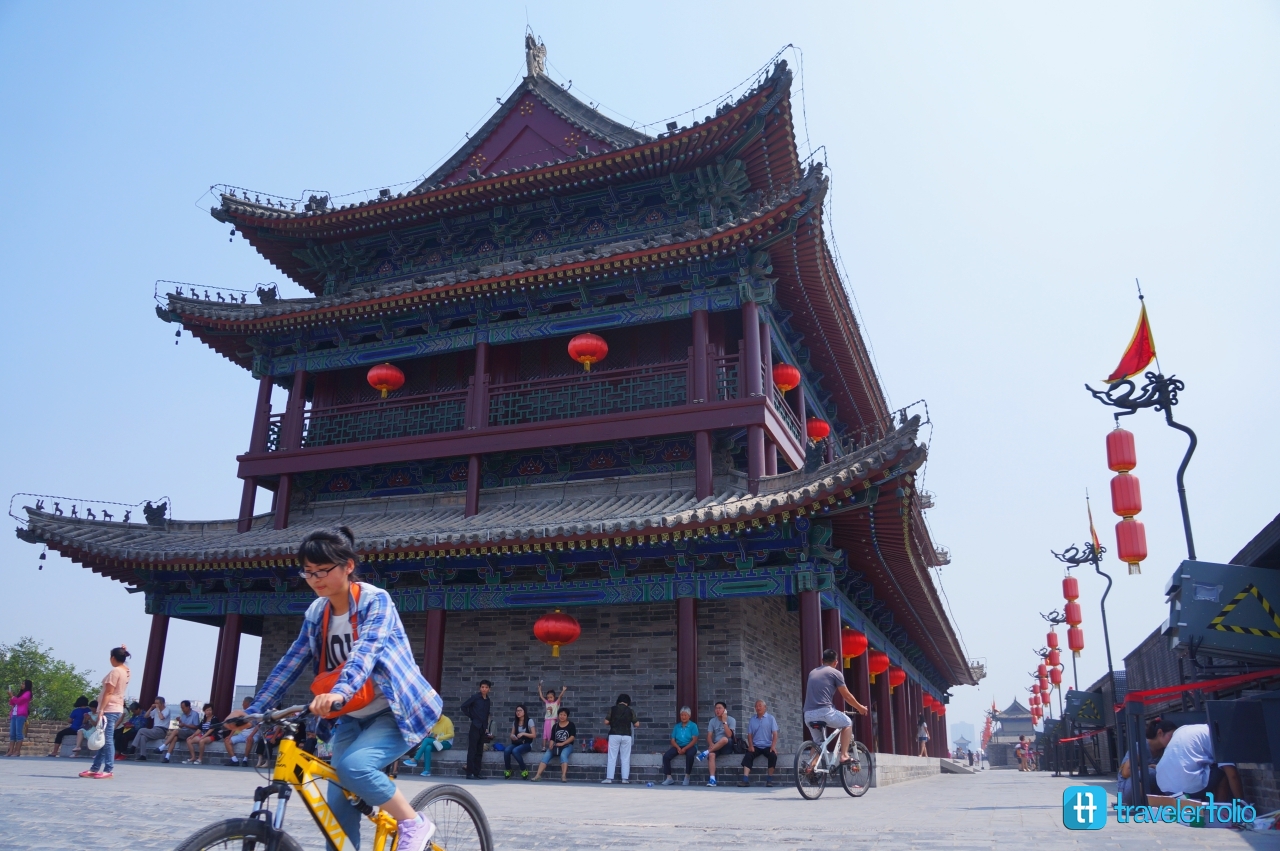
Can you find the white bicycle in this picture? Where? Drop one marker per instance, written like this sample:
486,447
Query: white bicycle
815,763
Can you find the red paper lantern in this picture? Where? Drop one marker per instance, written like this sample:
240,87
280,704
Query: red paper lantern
1072,613
786,377
587,349
1055,657
1121,455
1131,543
1055,676
1126,495
1042,670
877,663
1075,639
852,644
816,429
897,677
385,377
1051,640
1035,702
1070,587
556,629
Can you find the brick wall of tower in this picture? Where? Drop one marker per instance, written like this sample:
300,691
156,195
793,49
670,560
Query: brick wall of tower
748,649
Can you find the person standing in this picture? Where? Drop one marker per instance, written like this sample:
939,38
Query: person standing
622,721
19,707
762,741
551,710
922,736
684,742
477,708
520,742
111,707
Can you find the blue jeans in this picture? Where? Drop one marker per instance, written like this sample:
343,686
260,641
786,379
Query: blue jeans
362,747
17,726
517,753
105,759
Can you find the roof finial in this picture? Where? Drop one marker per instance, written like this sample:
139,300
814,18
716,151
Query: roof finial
535,56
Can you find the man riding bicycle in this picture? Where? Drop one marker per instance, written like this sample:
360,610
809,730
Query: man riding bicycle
825,682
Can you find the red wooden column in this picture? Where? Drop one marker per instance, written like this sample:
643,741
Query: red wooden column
687,655
750,366
215,682
227,658
831,641
433,648
810,637
857,679
901,720
766,359
700,394
477,418
257,443
155,660
884,713
290,438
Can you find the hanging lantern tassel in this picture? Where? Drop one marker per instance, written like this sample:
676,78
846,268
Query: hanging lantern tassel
1126,499
786,377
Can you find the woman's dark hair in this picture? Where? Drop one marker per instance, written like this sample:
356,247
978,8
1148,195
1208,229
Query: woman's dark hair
329,546
81,701
1159,726
624,698
567,713
26,686
515,716
93,704
120,654
206,707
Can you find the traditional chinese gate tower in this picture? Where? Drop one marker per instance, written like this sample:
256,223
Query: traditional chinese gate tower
668,498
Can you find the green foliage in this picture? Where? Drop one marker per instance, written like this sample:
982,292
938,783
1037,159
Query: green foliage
56,683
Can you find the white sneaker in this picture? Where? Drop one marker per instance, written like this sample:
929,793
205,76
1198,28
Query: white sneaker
606,780
416,833
626,781
686,781
670,781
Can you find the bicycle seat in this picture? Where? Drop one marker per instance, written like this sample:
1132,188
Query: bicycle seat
817,725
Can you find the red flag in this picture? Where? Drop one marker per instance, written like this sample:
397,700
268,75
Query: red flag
1140,352
1093,533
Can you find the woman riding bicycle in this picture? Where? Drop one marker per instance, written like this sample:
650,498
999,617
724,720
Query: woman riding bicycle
353,639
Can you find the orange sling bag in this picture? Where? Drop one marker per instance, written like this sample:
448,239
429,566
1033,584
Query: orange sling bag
326,679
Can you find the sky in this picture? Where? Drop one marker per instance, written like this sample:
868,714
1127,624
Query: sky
1001,175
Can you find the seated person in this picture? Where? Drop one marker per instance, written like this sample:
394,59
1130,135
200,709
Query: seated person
563,734
87,722
439,739
211,730
188,723
77,721
1185,763
721,730
684,742
762,739
243,736
128,727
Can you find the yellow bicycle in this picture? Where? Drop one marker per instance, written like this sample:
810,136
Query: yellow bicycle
460,822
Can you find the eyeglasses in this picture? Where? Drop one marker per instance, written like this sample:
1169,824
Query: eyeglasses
318,574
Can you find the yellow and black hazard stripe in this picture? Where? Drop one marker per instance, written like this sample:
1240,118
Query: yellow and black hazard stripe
1217,623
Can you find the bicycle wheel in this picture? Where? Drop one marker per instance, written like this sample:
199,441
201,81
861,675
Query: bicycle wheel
810,782
240,834
856,777
460,821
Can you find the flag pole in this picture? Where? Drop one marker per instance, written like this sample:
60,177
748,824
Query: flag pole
1161,393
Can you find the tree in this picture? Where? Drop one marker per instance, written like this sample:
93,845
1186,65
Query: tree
56,683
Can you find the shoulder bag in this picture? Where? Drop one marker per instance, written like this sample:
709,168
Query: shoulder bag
326,679
97,737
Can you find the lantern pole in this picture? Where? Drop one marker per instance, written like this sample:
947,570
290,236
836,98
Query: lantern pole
1160,393
1073,557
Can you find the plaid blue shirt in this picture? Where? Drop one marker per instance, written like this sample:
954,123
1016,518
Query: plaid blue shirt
381,650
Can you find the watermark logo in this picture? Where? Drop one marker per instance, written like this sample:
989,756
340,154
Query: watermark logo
1084,807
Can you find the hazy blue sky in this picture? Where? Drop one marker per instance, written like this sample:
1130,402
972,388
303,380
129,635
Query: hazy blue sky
1001,174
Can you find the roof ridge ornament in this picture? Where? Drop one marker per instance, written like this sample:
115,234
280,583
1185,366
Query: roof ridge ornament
535,56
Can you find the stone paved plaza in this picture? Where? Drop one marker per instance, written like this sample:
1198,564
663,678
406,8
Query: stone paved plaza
44,805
